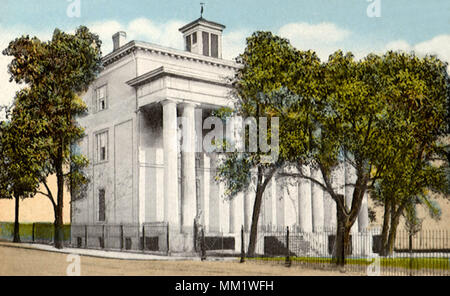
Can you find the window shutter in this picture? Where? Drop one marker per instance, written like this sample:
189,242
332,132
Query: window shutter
101,206
188,43
205,36
214,45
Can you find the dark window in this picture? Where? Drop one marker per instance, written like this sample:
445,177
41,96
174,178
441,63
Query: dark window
214,45
188,43
101,206
194,38
102,147
128,243
101,98
205,36
102,153
79,242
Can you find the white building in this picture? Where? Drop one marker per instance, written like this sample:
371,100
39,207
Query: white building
138,174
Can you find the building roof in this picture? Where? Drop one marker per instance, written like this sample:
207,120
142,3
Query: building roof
202,21
150,47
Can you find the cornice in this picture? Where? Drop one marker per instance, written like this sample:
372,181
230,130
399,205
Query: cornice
167,71
135,46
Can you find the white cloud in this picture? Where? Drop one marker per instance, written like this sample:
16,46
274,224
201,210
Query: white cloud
323,38
234,43
323,32
439,46
401,45
165,34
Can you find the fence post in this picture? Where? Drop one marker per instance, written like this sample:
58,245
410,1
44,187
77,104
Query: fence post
410,255
288,257
195,235
242,245
203,246
103,236
143,238
168,239
121,237
32,235
85,237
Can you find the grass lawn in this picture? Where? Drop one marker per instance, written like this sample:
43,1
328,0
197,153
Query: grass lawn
404,262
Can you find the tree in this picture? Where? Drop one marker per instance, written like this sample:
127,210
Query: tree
269,62
401,194
329,127
422,117
372,114
56,73
19,165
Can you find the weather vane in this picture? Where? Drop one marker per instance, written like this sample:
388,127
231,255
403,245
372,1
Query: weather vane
202,4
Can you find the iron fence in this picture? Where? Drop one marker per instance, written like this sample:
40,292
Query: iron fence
426,253
42,233
149,237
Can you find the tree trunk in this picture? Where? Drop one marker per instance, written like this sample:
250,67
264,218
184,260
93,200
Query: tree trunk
345,221
342,242
385,231
255,219
16,221
261,185
59,236
395,220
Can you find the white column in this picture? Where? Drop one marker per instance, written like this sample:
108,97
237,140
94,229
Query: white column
273,199
239,213
280,202
290,202
317,202
232,215
249,203
205,179
363,217
170,143
329,217
142,186
159,180
214,198
350,178
188,197
224,209
248,209
268,205
304,203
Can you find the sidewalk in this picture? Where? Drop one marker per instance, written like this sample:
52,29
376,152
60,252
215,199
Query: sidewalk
112,254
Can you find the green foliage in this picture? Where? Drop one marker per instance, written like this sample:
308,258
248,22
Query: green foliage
56,73
271,64
384,115
235,171
19,166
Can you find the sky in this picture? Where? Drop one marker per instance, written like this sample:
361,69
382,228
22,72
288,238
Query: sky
359,26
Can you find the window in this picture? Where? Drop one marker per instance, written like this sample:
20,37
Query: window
101,205
102,146
214,46
205,36
188,43
194,38
101,98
